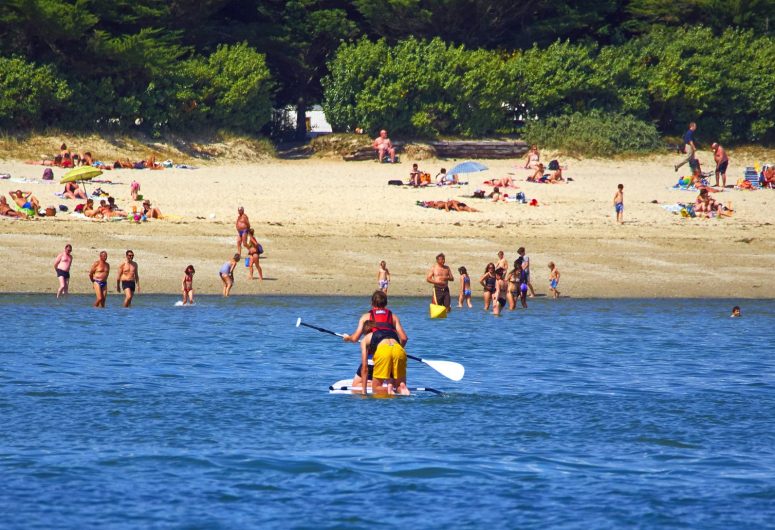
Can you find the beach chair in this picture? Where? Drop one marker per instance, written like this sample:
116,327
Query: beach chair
752,176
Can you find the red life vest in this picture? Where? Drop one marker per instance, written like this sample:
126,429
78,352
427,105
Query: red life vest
383,317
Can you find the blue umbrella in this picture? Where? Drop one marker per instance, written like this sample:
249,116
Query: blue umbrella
467,167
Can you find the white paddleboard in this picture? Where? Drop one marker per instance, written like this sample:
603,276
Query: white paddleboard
343,387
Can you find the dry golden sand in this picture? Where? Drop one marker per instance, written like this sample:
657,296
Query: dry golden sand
325,226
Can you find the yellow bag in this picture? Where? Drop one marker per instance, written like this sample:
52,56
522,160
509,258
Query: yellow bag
436,310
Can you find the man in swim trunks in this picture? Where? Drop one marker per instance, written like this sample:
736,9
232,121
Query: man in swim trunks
128,279
26,200
98,275
722,162
440,275
62,264
243,225
384,146
386,323
389,361
526,268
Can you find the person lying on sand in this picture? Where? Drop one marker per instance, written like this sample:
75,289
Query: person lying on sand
447,205
7,211
151,212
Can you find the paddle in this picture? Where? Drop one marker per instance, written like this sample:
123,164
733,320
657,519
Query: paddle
449,369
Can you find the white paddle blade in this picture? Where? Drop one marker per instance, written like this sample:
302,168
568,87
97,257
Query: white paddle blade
448,369
298,322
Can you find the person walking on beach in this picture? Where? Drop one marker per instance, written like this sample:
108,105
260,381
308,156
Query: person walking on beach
383,277
98,276
722,162
62,264
689,147
243,225
554,279
440,275
188,285
227,274
386,324
465,288
128,279
619,203
526,268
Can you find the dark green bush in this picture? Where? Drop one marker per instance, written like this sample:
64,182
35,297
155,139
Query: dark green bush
595,133
30,95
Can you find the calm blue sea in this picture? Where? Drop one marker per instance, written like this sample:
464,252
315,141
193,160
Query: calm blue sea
573,414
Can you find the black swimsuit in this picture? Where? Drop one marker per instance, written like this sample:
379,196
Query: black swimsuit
489,284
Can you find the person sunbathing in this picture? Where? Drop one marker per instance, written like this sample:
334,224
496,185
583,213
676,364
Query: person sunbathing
496,195
73,191
706,204
151,212
556,177
90,211
538,174
7,211
448,205
505,182
86,159
106,211
533,157
25,199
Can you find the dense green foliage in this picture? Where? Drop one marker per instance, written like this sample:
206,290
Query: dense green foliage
601,133
425,67
668,77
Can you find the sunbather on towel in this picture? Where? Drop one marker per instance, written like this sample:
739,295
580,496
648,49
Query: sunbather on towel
25,199
73,191
538,174
447,206
7,211
505,182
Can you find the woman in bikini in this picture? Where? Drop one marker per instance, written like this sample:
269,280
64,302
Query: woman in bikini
73,191
488,282
252,247
465,287
188,285
513,281
532,158
500,292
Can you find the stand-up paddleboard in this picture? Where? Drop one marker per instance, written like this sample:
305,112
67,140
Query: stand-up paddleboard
344,387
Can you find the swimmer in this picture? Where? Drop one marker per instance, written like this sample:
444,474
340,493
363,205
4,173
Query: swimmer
227,274
128,279
735,312
188,285
465,287
98,276
383,277
62,264
554,279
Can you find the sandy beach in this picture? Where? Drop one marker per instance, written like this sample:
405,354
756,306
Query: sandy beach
326,224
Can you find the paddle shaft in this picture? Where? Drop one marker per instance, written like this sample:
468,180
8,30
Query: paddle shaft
324,330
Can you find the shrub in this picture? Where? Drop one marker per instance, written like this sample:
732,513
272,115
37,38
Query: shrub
30,95
594,134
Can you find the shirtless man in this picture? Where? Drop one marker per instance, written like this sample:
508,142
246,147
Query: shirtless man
62,264
128,279
502,263
98,276
25,199
6,210
440,275
384,146
243,225
722,161
526,268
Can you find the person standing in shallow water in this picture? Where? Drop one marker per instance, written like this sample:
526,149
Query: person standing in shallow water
440,275
62,264
128,279
98,276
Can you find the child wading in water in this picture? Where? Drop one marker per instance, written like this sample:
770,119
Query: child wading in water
383,277
465,287
619,204
554,279
188,285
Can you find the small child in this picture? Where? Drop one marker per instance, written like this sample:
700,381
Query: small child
465,287
134,189
383,277
619,204
735,312
188,285
554,279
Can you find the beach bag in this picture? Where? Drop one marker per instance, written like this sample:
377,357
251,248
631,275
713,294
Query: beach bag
436,310
554,165
395,183
48,174
521,197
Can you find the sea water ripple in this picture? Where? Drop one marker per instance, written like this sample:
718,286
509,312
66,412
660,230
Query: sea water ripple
572,414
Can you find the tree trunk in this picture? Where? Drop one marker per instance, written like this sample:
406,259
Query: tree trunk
301,119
